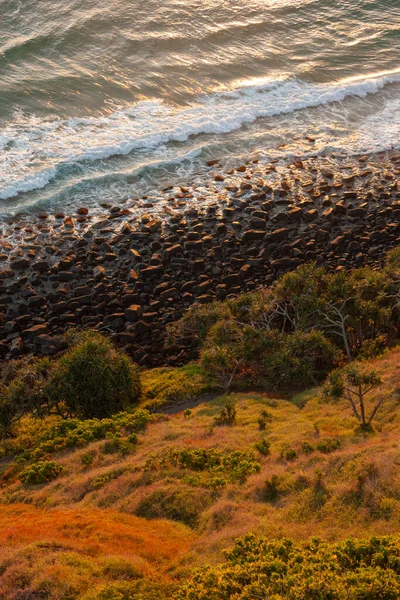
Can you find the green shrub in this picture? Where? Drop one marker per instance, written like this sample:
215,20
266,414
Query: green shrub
264,419
168,385
271,489
115,443
94,379
88,458
328,445
263,447
73,433
289,454
257,567
41,472
234,466
227,415
319,493
196,323
292,334
23,390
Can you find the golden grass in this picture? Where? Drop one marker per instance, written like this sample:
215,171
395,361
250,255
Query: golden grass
361,483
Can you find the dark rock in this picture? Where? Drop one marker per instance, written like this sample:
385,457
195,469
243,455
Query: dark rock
36,302
50,344
133,313
35,331
252,235
357,213
152,272
16,347
20,264
278,235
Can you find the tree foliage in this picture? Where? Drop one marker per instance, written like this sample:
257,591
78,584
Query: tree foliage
92,380
294,333
354,385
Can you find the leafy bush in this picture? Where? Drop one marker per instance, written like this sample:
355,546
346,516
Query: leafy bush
260,568
289,454
263,446
281,360
307,448
234,466
328,445
73,433
23,390
94,379
196,323
294,333
355,384
264,419
282,485
227,415
41,472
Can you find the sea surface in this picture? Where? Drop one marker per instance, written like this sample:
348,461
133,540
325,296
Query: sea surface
103,100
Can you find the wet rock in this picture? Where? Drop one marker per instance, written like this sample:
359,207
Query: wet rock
285,263
340,208
232,279
115,321
310,215
258,223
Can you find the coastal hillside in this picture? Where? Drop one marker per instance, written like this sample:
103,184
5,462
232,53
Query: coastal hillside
199,300
121,483
120,520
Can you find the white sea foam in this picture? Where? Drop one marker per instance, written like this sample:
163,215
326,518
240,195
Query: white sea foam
33,150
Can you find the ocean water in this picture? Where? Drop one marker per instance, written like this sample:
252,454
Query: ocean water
103,100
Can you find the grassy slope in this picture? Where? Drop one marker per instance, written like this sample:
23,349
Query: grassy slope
354,490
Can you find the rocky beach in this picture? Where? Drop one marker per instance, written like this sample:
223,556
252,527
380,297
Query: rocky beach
128,270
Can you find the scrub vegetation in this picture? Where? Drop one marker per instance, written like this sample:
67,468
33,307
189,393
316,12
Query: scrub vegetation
276,474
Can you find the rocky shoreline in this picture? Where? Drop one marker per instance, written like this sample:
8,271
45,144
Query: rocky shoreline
132,269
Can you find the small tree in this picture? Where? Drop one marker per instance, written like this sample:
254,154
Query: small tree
94,379
221,354
354,385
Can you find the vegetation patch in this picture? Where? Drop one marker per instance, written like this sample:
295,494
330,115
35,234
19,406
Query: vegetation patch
234,466
41,472
181,503
69,434
167,385
92,380
283,569
294,333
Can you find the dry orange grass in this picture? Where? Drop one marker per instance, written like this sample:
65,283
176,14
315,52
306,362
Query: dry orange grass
151,545
67,553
